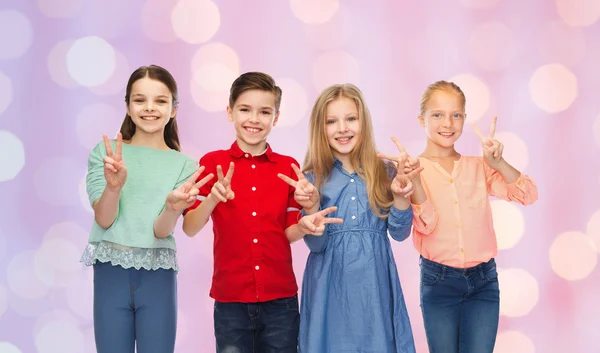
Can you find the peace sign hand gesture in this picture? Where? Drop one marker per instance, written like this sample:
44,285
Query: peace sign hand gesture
314,224
221,191
492,149
115,172
306,194
407,171
185,195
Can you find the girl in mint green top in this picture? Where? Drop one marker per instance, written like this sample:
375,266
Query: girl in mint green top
138,186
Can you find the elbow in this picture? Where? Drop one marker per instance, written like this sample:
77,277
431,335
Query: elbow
104,224
401,235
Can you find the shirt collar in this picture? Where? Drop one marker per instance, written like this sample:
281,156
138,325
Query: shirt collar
237,152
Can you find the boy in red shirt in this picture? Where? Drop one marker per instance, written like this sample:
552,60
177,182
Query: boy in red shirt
255,218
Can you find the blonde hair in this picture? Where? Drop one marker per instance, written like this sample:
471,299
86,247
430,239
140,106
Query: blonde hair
319,157
441,86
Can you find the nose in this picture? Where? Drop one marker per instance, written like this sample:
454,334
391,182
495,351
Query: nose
342,127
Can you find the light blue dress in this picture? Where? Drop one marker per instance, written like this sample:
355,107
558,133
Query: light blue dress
351,295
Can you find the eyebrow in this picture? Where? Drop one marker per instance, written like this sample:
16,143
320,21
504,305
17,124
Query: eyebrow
142,95
249,106
347,115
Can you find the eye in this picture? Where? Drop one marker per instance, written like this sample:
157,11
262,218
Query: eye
330,121
352,118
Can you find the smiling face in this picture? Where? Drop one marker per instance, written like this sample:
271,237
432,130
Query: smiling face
343,127
150,106
253,114
443,118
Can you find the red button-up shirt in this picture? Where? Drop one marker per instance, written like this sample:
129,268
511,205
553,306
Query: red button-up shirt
252,255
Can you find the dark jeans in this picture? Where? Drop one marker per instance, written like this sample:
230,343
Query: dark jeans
267,327
460,306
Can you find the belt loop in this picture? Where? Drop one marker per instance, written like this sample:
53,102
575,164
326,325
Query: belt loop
444,269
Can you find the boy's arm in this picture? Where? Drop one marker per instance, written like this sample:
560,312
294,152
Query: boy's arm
195,219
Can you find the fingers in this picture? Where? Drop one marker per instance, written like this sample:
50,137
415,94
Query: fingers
110,167
298,172
107,146
229,175
478,132
204,180
493,127
218,191
220,173
327,211
329,220
398,144
414,173
119,149
195,176
287,179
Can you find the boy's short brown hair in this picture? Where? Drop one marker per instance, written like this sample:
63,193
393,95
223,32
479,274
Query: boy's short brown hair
254,80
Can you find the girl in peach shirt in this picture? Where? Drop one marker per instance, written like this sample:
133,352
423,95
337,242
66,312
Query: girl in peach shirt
452,225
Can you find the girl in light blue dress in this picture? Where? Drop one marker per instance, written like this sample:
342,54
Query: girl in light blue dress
352,300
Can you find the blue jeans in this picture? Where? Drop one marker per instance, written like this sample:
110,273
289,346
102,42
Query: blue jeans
460,306
134,307
267,327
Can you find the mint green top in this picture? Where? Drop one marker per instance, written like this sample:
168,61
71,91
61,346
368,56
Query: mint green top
130,240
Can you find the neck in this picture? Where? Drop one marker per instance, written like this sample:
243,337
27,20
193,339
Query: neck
155,140
346,163
434,150
254,150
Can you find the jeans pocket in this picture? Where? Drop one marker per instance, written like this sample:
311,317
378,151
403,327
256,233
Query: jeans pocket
430,277
290,303
491,274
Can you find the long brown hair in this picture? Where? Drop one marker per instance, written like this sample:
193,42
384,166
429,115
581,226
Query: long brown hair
319,157
158,73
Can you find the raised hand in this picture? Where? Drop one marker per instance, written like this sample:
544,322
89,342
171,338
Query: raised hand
492,149
314,224
306,194
185,195
115,172
221,191
407,171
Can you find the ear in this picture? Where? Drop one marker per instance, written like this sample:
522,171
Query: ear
173,112
276,118
421,120
127,109
229,113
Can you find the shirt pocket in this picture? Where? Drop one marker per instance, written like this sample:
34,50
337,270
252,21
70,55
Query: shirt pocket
475,194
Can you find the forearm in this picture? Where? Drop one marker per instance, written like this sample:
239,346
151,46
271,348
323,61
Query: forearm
196,219
294,233
106,207
165,223
419,196
507,171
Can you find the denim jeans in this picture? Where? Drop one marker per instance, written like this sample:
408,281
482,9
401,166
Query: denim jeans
460,307
267,327
134,308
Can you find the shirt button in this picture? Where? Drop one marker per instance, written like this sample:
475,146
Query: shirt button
455,202
353,198
257,267
451,180
254,213
351,180
253,166
255,241
353,217
254,188
462,250
246,155
458,225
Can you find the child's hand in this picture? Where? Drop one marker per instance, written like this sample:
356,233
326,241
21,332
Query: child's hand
306,194
115,172
492,149
407,170
221,191
315,223
185,195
